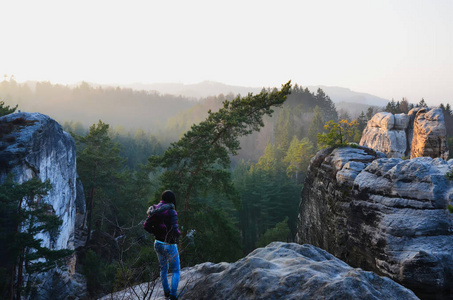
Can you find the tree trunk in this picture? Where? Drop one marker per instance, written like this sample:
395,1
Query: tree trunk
90,212
12,291
20,274
11,283
90,217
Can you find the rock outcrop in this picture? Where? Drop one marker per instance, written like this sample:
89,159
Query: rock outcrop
385,215
34,145
420,133
429,133
279,271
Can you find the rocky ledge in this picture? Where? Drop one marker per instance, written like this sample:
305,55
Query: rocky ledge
385,215
278,271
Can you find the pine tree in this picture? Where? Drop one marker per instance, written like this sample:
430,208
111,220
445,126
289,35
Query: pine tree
270,161
327,106
422,103
6,109
448,118
198,166
268,196
448,108
316,126
24,215
248,182
199,162
392,107
98,166
284,128
298,158
404,106
369,113
344,115
362,121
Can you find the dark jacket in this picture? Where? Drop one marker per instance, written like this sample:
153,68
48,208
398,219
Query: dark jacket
164,220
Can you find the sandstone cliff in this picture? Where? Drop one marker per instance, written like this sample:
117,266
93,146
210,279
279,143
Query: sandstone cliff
385,215
36,146
278,271
420,133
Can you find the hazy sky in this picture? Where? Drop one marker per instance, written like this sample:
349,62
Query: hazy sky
389,48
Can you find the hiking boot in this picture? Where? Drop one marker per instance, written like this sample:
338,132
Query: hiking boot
173,297
167,294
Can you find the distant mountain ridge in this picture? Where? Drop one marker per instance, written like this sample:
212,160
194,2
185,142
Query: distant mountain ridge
212,88
198,90
340,94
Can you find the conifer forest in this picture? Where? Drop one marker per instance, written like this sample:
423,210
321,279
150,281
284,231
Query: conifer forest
237,164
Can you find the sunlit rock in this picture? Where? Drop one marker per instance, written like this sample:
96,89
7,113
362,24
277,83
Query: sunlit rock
429,134
419,133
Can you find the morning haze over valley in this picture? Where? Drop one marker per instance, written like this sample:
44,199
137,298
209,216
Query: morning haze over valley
226,150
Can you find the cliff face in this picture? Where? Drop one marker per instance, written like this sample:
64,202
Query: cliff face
36,146
386,215
420,133
278,271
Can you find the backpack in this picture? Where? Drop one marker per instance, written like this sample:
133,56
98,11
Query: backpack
148,224
154,223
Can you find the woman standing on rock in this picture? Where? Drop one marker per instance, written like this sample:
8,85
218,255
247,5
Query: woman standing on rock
163,223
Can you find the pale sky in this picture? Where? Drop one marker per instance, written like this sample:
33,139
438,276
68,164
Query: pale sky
388,48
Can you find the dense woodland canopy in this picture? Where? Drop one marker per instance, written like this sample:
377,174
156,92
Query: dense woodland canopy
119,107
266,170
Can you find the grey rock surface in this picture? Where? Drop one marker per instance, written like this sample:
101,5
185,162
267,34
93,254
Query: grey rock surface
280,271
38,147
382,135
385,215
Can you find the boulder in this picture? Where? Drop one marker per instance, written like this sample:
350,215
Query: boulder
387,133
421,132
278,271
385,215
34,145
401,121
383,120
429,134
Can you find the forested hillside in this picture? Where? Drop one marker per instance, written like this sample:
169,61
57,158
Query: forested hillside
247,197
122,107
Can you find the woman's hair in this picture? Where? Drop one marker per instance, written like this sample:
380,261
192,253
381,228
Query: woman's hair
169,197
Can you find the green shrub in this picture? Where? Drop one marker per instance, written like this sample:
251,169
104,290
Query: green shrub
279,233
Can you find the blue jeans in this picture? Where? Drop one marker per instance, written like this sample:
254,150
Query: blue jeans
168,255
